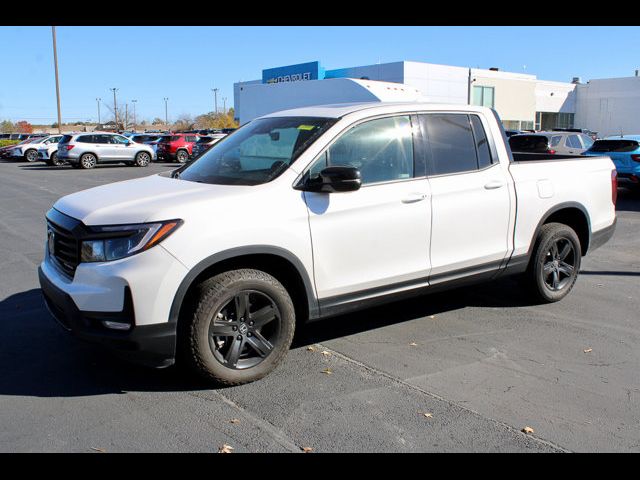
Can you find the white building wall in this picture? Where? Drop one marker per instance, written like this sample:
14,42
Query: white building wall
438,83
559,97
609,106
514,93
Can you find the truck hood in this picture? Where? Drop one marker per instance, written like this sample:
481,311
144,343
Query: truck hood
141,200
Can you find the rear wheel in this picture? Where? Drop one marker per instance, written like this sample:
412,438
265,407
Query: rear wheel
31,155
142,159
182,156
240,328
53,160
88,160
555,263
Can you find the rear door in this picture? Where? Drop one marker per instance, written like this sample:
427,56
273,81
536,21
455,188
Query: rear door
470,198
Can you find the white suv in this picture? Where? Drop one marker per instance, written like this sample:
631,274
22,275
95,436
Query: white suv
86,150
311,213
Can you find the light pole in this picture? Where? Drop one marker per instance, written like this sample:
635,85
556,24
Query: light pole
98,100
224,104
134,114
55,63
115,106
166,115
215,100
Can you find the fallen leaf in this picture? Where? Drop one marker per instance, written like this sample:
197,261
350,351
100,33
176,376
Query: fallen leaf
325,353
234,420
311,349
101,450
413,344
527,430
225,448
327,371
587,350
306,449
426,414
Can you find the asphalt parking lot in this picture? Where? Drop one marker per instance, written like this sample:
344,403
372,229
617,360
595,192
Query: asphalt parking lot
481,362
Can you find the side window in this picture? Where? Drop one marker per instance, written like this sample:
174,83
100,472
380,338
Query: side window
381,149
192,138
86,139
587,141
482,144
451,141
555,140
103,139
573,141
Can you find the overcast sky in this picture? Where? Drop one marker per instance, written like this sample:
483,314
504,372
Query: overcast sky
185,63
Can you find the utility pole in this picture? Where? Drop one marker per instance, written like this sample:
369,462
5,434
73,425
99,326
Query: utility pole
215,101
134,114
224,104
166,115
55,62
115,106
98,100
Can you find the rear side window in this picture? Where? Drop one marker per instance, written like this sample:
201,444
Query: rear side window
87,139
482,144
451,141
614,146
191,138
170,138
529,143
555,140
66,139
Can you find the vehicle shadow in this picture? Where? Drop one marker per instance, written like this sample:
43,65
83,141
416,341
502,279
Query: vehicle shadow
38,358
628,200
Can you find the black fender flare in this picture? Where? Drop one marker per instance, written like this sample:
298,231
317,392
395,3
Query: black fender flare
211,260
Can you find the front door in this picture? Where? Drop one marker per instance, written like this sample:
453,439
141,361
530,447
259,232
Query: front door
374,240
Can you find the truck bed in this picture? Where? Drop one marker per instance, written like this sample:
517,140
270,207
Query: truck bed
541,157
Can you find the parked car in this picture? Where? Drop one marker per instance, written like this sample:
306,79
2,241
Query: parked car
205,143
29,151
593,135
14,151
310,213
176,147
147,139
625,153
511,133
86,150
566,143
48,151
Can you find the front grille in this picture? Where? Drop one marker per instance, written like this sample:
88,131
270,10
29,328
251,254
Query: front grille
66,250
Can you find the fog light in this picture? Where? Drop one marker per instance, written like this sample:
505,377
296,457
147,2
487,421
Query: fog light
116,325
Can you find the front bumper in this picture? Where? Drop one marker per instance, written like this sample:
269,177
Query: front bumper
152,345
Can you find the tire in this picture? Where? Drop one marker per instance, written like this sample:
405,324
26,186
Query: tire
31,155
142,159
88,160
243,351
555,263
53,160
182,156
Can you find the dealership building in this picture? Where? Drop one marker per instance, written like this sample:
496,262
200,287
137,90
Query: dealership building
607,106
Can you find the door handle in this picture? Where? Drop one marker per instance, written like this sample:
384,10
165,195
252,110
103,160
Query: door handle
414,197
492,185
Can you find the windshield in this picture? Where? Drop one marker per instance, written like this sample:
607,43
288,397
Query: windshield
256,153
614,146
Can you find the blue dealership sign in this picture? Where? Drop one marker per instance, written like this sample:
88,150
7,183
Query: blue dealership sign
293,73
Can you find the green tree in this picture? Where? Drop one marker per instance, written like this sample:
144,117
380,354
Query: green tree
7,126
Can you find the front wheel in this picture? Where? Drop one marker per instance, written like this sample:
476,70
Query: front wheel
31,155
240,328
142,159
53,160
555,263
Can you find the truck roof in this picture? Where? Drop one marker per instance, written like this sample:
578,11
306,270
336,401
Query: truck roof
338,110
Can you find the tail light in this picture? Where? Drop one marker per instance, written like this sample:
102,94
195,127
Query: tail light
69,147
614,186
551,151
635,158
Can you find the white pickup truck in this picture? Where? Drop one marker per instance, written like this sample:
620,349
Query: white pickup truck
310,213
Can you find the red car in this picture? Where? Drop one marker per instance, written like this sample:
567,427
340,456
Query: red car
176,147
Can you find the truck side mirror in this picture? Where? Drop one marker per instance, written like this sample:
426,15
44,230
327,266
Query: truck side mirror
335,179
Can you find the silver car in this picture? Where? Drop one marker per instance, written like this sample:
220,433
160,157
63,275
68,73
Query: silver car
568,143
86,150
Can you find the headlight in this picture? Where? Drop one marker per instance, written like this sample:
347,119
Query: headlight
119,241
